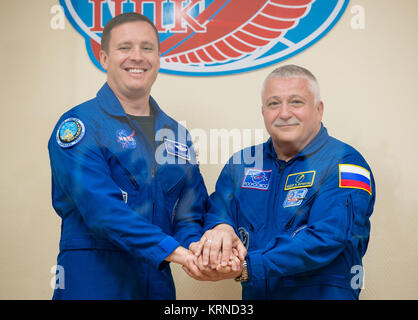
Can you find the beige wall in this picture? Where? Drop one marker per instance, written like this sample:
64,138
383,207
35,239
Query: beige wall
369,86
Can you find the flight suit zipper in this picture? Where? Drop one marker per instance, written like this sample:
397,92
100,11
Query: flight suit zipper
350,217
133,181
153,175
278,185
151,151
128,173
154,168
292,220
280,166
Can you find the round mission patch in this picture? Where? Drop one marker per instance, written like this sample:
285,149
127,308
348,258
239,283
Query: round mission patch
70,132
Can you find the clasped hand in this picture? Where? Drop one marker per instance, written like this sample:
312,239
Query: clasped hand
218,255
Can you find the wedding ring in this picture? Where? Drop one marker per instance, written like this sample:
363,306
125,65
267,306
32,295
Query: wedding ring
208,240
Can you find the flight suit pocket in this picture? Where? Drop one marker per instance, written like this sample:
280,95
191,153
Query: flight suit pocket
298,217
350,216
172,181
126,182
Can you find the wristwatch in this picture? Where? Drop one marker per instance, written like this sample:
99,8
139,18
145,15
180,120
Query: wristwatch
244,275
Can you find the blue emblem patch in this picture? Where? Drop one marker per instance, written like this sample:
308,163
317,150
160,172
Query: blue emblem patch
70,132
294,197
126,139
256,179
177,149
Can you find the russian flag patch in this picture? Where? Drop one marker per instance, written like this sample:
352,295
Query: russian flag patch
352,176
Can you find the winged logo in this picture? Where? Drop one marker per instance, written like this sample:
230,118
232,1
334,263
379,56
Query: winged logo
215,37
259,24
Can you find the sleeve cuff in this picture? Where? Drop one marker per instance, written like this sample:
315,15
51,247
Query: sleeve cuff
212,224
163,250
191,239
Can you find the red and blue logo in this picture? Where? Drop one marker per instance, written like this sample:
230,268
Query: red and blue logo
127,140
215,37
256,179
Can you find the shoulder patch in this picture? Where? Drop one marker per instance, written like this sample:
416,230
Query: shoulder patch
70,132
356,177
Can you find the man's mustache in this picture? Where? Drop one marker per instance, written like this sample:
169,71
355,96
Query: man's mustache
291,122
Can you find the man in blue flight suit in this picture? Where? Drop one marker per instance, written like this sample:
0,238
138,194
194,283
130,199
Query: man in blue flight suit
124,179
301,207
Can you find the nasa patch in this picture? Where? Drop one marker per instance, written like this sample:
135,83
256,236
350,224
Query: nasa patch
126,139
215,37
70,132
256,179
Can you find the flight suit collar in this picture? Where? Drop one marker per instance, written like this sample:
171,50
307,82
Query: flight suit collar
111,105
317,142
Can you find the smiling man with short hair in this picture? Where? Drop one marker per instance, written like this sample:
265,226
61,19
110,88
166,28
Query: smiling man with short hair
303,215
129,200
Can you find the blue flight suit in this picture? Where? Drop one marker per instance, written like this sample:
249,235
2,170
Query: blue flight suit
124,206
305,222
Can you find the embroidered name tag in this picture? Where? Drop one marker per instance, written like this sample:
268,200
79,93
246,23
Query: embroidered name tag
300,180
256,179
177,149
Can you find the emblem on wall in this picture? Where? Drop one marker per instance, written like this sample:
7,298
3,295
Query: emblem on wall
215,37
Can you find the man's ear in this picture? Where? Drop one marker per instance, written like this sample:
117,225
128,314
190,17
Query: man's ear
320,107
103,59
